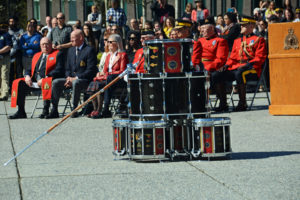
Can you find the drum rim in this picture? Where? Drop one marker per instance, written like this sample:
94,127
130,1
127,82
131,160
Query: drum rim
147,124
161,41
212,121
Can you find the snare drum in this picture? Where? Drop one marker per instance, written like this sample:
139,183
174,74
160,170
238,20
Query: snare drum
211,137
120,136
170,56
147,139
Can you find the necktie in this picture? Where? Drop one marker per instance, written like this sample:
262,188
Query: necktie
42,64
76,57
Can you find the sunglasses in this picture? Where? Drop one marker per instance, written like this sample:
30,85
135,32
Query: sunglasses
132,38
60,18
110,42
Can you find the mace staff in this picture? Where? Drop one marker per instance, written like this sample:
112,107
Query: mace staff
130,68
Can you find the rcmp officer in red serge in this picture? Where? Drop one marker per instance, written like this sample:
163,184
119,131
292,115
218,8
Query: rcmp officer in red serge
46,65
139,54
247,56
210,50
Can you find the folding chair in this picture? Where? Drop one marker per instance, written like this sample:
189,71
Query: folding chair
256,84
261,81
38,95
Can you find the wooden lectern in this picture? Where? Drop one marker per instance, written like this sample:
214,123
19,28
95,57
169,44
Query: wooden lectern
284,56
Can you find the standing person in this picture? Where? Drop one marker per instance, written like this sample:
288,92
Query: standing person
134,44
187,15
16,53
95,19
169,24
5,46
220,24
297,14
200,13
232,29
48,24
271,10
60,35
161,10
30,44
47,63
89,36
80,70
248,53
116,15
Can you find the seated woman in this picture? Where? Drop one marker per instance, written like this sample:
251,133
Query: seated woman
99,81
134,43
115,63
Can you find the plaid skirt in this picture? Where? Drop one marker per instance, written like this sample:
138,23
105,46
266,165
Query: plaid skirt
95,86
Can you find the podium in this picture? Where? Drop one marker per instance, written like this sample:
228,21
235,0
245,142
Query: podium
284,57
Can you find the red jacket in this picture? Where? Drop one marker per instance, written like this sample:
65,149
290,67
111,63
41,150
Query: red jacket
252,50
212,53
119,64
138,57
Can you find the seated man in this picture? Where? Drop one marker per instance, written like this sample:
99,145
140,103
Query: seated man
47,63
248,53
210,51
80,70
139,57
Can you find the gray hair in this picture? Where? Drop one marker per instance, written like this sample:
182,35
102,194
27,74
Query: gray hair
118,39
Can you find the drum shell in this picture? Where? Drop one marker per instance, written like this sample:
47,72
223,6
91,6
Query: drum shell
170,56
147,139
212,136
120,135
176,95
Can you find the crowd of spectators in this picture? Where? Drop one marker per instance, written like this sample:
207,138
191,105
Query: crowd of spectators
24,44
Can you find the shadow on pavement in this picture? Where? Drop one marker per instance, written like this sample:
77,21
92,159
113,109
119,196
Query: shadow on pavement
261,155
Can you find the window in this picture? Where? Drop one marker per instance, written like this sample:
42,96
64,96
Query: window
36,10
72,10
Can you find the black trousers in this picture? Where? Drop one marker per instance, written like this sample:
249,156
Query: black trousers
24,90
108,93
230,75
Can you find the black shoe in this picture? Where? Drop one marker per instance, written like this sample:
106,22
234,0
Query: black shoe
75,115
18,115
44,114
222,109
105,114
53,114
240,108
4,99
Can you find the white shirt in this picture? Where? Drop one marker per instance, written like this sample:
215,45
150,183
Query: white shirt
111,60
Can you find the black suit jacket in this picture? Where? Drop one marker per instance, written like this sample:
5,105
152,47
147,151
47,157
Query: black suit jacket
86,65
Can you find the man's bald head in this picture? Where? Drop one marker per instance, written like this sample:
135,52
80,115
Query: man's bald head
46,45
77,38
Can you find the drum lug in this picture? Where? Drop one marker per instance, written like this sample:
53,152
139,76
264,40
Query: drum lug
122,153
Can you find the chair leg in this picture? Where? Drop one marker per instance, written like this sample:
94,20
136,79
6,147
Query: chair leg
35,105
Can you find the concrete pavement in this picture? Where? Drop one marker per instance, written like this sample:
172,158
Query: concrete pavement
75,162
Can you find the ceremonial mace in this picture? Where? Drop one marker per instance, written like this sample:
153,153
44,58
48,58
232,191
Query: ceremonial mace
130,68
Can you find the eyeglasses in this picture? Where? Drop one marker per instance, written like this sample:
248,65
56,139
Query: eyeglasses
114,29
60,18
132,38
105,40
110,42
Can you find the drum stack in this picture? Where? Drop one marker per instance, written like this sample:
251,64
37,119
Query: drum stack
169,110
